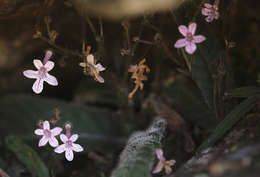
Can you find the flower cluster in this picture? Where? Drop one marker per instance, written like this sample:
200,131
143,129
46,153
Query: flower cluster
211,11
138,75
48,136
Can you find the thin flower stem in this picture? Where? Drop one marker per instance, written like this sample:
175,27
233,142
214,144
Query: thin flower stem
92,28
61,49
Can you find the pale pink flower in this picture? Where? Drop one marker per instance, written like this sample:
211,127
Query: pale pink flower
42,74
190,40
48,134
92,68
163,163
69,146
211,11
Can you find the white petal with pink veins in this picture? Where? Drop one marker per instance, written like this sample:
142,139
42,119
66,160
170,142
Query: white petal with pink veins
74,137
99,67
46,125
69,154
158,167
90,59
53,142
99,78
77,147
159,154
192,28
43,141
199,38
60,149
183,30
49,65
31,74
37,63
206,11
56,131
190,48
63,138
51,80
180,43
38,86
38,132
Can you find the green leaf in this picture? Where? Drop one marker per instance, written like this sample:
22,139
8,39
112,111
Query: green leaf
189,102
27,156
99,129
136,160
230,120
243,92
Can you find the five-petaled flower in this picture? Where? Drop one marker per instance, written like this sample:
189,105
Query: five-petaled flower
190,40
69,146
163,163
42,74
48,134
211,11
92,68
138,75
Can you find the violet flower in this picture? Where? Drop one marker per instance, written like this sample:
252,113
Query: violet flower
42,74
163,163
211,11
69,146
48,134
190,40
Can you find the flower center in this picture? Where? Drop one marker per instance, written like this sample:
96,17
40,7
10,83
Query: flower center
42,72
47,133
68,144
189,37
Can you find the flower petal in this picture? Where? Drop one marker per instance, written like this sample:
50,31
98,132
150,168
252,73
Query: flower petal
53,142
43,141
69,154
77,147
207,5
74,137
60,149
170,162
209,18
192,28
190,48
56,131
206,12
63,138
180,43
49,65
99,67
37,63
51,80
216,15
158,167
38,132
183,30
90,59
199,38
46,125
99,78
38,86
31,74
159,154
168,169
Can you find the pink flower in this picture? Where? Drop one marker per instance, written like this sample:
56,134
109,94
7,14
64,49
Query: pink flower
92,68
48,134
69,146
163,163
190,40
211,11
42,74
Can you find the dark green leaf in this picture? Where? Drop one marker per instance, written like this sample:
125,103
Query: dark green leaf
27,156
